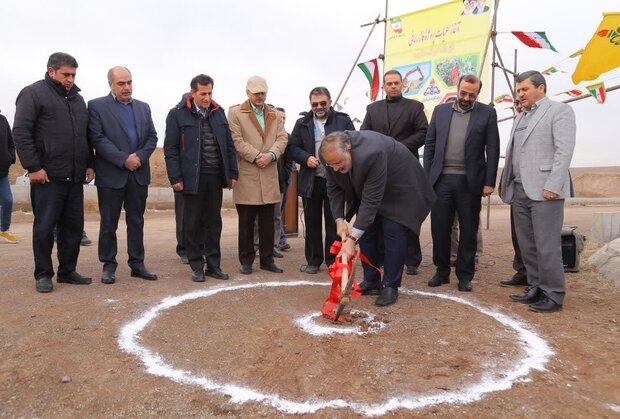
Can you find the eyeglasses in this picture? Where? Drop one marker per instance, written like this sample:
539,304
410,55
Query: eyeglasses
322,104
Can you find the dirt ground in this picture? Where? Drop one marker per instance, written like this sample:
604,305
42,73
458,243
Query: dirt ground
247,337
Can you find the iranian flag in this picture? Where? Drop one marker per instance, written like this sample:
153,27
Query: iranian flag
598,91
571,93
552,70
371,71
534,40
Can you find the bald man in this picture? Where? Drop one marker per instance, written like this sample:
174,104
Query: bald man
122,133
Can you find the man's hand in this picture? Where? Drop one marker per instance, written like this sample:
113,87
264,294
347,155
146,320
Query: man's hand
347,249
263,160
177,187
487,190
233,183
133,162
40,176
548,195
90,175
312,162
342,229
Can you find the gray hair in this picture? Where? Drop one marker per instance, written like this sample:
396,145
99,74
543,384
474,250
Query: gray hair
337,140
535,77
111,72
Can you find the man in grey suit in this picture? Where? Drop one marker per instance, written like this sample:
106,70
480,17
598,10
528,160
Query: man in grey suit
535,182
384,185
122,133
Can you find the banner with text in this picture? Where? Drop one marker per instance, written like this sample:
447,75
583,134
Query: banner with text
432,48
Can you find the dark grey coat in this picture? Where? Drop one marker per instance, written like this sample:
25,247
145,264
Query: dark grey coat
385,179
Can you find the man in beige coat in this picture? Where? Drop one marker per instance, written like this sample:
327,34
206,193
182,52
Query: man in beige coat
260,139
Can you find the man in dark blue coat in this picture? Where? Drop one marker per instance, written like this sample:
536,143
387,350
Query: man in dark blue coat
201,160
303,145
50,133
461,154
122,133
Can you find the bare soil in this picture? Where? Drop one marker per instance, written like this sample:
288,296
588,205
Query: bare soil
248,337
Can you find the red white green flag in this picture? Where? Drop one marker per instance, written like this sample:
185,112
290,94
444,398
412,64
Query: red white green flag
571,93
503,98
371,71
598,91
534,40
552,70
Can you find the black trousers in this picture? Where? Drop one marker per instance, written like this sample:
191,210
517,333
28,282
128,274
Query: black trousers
414,252
56,203
133,199
384,244
202,223
316,208
453,195
247,215
178,219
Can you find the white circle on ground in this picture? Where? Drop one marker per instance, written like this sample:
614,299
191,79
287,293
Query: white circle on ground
309,325
537,354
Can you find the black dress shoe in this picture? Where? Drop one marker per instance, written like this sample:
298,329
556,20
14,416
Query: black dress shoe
438,280
371,288
513,281
545,305
216,273
277,254
198,276
44,284
413,270
388,297
108,277
284,247
272,267
464,286
530,296
245,269
73,278
312,269
143,273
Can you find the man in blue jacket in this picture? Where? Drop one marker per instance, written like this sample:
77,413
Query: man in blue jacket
303,145
121,130
201,160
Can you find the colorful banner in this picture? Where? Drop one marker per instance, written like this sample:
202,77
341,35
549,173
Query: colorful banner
432,48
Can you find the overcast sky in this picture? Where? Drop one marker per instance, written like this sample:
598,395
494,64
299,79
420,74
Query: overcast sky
295,45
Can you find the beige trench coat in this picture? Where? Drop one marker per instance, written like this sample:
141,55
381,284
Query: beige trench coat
256,186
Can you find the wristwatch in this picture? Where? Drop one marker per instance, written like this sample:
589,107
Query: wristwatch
353,238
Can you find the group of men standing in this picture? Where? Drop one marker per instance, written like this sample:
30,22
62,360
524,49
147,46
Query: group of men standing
372,177
374,174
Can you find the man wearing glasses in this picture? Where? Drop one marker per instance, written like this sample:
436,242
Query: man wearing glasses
260,139
385,187
461,155
304,146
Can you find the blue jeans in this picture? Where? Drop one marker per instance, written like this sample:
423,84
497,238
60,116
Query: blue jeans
6,203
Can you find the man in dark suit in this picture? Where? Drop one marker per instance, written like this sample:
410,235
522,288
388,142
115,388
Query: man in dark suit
461,154
304,145
386,188
122,133
405,121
